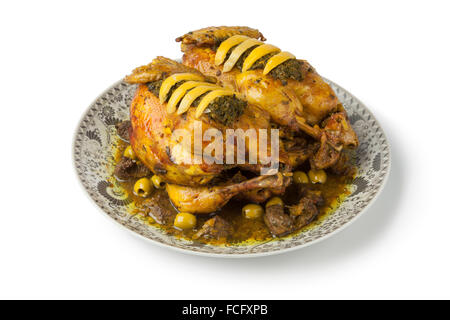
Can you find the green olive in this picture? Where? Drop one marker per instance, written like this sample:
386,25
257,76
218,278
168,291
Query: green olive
185,220
300,177
129,153
157,182
317,176
143,187
274,201
252,211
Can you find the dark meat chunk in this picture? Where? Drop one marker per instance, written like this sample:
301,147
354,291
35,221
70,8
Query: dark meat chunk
299,150
130,169
123,130
324,156
277,221
343,167
215,228
314,195
158,207
306,210
337,134
339,131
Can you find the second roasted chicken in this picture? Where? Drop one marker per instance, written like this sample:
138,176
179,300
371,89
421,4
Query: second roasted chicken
289,89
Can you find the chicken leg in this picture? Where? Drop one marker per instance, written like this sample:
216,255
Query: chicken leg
209,199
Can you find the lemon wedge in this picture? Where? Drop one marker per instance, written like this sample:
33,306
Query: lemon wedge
206,100
192,95
237,52
276,60
170,81
226,45
180,92
257,53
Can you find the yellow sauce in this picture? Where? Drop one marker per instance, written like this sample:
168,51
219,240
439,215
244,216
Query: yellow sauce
246,231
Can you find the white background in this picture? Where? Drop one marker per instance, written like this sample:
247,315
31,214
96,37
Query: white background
56,57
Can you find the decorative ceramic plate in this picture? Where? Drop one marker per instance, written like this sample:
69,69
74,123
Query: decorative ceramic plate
93,157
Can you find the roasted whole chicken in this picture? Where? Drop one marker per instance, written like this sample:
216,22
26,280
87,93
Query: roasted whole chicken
289,89
173,98
178,134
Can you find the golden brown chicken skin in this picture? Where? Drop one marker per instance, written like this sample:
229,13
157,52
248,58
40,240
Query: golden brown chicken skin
291,91
153,130
212,36
152,141
288,104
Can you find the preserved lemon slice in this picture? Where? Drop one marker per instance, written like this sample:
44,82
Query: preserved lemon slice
180,92
206,100
237,52
172,80
226,46
192,95
257,53
276,60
